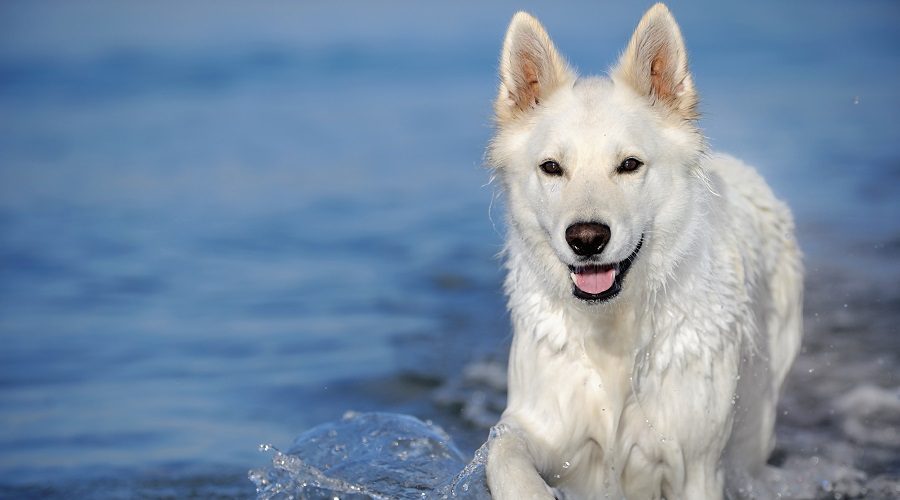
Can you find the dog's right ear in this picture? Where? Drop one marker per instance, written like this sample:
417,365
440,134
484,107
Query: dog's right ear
530,69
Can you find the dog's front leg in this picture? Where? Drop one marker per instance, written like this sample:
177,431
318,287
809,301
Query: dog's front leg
512,472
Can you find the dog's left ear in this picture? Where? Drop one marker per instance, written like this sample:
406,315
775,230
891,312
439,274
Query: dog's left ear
655,64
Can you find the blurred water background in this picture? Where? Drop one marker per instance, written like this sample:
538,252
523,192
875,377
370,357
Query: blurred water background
222,223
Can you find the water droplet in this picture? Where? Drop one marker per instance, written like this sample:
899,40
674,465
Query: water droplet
811,370
566,465
815,460
856,99
265,447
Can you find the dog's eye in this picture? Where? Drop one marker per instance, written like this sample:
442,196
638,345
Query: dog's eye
550,167
629,164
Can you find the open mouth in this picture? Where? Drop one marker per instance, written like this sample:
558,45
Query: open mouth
600,282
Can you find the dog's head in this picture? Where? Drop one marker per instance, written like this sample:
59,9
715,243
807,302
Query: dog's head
598,171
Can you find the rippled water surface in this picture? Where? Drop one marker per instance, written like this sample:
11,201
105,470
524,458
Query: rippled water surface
221,225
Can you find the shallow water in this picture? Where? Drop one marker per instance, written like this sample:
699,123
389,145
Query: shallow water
221,226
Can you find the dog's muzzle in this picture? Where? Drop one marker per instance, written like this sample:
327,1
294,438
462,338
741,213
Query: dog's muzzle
601,282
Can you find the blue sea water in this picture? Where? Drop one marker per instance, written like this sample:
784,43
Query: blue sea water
222,224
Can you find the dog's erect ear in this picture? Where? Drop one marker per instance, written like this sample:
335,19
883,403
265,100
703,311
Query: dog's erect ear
655,64
530,68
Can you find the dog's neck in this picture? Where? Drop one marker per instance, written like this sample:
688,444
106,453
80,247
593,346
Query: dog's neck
623,328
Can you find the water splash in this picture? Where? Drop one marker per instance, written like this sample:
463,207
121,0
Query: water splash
372,456
471,482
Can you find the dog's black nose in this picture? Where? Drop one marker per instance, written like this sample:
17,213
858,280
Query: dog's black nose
587,238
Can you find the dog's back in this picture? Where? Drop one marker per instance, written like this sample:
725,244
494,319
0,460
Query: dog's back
762,229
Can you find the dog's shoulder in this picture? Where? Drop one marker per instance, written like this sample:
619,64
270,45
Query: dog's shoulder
739,182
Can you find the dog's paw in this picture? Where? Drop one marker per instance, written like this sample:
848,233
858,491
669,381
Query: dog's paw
511,473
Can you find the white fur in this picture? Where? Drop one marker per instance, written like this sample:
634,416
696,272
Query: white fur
668,390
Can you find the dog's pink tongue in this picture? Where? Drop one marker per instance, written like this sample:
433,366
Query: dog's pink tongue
595,282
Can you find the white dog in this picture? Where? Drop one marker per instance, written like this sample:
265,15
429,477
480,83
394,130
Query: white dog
655,287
